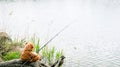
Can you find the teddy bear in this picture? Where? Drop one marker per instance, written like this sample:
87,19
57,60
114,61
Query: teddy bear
28,54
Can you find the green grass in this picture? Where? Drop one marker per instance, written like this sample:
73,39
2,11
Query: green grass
50,55
11,55
10,50
36,42
58,54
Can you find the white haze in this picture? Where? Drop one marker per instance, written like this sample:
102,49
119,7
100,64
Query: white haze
91,40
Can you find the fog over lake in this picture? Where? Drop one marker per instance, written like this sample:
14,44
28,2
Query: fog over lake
91,40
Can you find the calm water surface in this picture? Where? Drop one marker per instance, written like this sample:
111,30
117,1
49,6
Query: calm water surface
92,40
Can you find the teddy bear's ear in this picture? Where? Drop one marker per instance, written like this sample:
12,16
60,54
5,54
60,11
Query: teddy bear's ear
26,43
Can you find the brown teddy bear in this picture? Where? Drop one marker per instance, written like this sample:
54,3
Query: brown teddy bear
28,55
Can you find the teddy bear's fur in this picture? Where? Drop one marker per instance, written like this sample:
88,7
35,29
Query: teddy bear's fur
28,55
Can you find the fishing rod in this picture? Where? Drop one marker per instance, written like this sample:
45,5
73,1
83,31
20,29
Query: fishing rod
49,41
53,37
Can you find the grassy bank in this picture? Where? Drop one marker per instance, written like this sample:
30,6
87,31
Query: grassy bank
14,49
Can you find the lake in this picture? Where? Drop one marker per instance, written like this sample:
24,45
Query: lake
91,40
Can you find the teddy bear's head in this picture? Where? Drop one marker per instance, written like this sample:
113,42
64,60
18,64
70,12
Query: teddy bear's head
29,46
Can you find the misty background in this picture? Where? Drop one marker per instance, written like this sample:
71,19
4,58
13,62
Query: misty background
91,40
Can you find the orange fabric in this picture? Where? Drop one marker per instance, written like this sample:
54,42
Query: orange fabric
28,55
